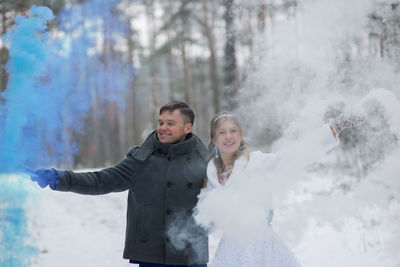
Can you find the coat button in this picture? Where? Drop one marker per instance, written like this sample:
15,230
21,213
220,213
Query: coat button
168,211
169,158
169,184
189,159
189,185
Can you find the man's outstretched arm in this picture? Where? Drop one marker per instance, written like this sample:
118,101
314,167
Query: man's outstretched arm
114,179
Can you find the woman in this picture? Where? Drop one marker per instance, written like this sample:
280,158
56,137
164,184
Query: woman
232,166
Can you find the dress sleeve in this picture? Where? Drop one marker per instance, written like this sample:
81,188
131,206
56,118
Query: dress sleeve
114,179
300,154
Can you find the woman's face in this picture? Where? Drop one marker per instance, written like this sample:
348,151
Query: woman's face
227,137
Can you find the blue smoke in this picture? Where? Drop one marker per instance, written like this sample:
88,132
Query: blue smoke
87,25
16,247
23,100
53,83
22,107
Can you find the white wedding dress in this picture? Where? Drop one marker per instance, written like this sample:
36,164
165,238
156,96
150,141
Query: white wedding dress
266,251
265,248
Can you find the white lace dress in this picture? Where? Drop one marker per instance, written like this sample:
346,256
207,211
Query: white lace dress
266,249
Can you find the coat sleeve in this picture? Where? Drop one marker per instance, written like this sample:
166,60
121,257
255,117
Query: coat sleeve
114,179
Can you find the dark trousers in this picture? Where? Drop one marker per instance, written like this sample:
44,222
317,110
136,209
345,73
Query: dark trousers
163,265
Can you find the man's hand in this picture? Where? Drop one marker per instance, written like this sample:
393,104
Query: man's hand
342,122
45,177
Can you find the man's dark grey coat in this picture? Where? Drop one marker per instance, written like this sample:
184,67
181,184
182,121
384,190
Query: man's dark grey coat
163,182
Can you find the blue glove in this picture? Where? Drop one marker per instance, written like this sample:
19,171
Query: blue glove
45,177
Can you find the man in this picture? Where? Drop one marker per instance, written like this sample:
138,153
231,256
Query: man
164,177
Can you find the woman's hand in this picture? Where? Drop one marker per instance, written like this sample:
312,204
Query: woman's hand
342,122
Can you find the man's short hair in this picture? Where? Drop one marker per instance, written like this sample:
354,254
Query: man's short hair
186,111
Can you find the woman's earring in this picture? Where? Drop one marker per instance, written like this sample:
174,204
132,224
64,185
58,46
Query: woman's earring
216,152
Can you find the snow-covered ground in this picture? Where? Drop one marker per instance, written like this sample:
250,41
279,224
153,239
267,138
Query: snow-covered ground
78,230
83,231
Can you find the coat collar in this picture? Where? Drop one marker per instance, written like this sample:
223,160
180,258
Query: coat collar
152,144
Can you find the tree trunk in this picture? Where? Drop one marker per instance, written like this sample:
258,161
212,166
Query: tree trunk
261,17
213,60
187,80
133,130
3,51
170,58
110,141
230,75
154,98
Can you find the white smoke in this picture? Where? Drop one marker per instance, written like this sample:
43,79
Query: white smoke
310,69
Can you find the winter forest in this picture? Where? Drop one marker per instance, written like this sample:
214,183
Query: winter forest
82,82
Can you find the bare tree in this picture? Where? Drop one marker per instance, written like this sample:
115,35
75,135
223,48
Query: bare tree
185,36
154,86
213,70
133,129
385,33
230,69
3,50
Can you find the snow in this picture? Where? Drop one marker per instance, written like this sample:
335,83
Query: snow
78,230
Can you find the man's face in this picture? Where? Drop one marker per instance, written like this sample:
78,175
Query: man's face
171,127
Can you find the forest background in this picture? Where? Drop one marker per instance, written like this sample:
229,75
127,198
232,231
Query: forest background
130,57
283,66
148,53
